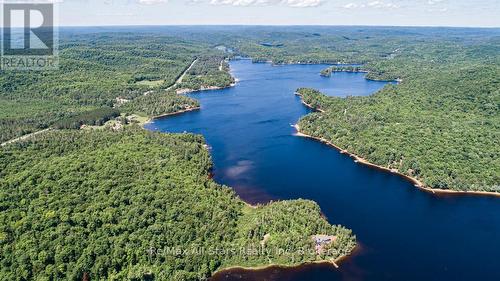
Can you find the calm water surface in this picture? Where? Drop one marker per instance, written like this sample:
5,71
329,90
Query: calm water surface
404,233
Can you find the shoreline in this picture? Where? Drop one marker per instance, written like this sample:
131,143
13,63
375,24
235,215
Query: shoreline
151,119
366,72
311,107
335,263
329,74
417,183
291,62
308,105
176,112
210,88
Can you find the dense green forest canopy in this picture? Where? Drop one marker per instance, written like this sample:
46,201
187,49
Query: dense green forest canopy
156,104
209,71
138,205
445,132
97,70
93,117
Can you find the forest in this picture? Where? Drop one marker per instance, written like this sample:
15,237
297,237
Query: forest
96,117
445,132
440,124
209,71
139,205
111,205
95,70
155,104
100,65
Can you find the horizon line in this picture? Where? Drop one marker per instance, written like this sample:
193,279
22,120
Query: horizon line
279,25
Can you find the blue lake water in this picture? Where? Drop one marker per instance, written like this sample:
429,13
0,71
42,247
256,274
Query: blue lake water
404,233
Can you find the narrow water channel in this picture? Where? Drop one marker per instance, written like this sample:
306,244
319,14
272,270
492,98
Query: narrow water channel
404,233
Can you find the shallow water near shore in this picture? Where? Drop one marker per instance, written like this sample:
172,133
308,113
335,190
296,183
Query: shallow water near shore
404,233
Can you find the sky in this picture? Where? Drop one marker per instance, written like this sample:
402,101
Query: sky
466,13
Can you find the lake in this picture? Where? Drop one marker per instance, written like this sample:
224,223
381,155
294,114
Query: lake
403,233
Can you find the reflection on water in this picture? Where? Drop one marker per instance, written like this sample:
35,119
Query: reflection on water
406,234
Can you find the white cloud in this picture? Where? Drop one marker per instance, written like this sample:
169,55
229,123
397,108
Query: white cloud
433,2
356,4
351,6
437,10
382,4
372,4
290,3
31,1
303,3
237,2
152,2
